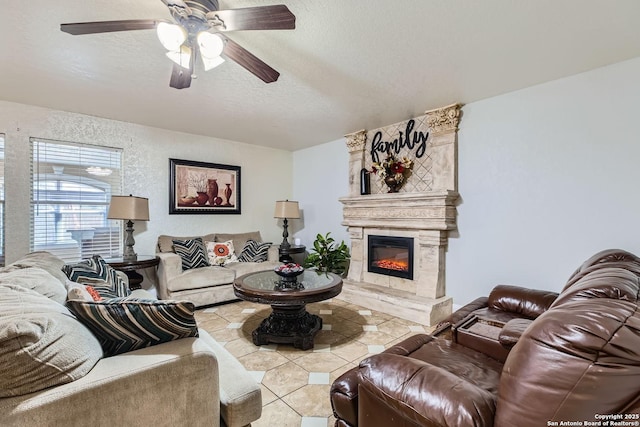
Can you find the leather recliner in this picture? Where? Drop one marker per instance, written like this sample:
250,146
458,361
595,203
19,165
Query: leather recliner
571,358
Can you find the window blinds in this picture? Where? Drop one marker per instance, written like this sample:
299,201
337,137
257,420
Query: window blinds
72,185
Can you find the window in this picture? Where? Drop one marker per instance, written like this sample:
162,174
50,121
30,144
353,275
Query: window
72,185
1,199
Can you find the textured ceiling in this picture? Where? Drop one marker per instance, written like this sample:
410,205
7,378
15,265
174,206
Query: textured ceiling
349,64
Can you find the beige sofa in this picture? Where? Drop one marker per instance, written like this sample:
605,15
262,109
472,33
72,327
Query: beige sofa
55,374
206,285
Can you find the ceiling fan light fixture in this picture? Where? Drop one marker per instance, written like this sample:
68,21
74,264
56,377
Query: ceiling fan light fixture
211,45
171,35
181,57
210,63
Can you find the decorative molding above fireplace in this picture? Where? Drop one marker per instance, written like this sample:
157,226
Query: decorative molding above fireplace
424,210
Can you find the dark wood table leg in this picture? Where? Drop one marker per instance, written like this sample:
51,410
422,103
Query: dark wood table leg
288,325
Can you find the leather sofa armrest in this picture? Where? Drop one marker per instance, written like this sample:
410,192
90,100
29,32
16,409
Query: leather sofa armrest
529,303
461,314
421,393
344,390
170,266
512,331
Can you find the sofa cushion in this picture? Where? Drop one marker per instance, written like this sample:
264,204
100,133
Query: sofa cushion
126,324
100,275
41,344
165,243
37,279
254,251
192,253
40,259
239,239
82,292
205,277
220,253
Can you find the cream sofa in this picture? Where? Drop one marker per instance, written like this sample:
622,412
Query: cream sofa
206,285
57,375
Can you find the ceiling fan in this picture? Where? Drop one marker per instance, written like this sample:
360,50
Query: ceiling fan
200,31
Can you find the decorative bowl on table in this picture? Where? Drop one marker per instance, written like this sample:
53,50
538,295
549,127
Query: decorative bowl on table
288,273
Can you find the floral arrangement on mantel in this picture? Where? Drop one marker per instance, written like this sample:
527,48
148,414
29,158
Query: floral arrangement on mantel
393,171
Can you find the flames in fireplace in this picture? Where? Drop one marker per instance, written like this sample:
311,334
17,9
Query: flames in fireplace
392,264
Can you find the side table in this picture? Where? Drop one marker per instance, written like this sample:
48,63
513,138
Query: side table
285,253
129,267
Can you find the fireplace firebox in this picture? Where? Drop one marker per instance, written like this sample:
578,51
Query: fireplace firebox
392,256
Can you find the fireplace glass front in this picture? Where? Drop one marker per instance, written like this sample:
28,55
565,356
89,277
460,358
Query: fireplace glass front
392,256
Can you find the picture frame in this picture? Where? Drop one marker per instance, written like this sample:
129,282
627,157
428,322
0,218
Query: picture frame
203,188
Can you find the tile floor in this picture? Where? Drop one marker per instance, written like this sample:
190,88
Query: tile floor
295,383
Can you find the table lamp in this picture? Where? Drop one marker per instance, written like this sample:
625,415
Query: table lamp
286,209
130,208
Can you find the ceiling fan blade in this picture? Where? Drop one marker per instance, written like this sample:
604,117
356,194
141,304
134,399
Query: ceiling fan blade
80,28
276,17
249,61
180,77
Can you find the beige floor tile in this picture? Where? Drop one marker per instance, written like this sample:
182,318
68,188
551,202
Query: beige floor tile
347,328
394,328
226,334
267,395
353,350
278,413
375,338
262,360
285,378
320,362
212,324
310,400
241,347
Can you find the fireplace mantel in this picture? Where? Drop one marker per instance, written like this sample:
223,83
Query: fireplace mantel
424,210
434,210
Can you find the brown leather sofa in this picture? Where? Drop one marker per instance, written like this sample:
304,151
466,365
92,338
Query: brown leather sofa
572,357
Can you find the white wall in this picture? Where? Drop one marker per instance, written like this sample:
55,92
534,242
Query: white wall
265,173
320,176
547,175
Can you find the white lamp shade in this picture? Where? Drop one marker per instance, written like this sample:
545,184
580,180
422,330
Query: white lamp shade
181,57
286,209
211,45
171,35
129,207
210,63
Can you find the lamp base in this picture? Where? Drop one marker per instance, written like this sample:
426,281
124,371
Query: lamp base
129,254
285,235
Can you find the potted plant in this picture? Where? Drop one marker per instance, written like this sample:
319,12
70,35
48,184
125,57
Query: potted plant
327,255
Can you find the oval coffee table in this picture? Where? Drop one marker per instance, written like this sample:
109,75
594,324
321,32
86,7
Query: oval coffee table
289,321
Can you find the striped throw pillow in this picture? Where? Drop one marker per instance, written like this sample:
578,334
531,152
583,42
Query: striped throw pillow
192,253
127,324
98,274
254,251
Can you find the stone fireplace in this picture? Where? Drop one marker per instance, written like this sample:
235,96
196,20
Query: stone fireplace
413,224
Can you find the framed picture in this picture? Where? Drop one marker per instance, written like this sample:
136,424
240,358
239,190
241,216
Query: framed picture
203,188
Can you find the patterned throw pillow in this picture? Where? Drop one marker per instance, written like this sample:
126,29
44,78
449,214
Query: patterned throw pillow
221,253
192,252
98,274
254,251
127,324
